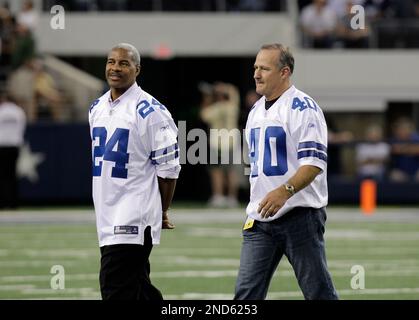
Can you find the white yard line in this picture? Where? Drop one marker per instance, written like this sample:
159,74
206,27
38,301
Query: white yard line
281,272
37,263
199,215
290,294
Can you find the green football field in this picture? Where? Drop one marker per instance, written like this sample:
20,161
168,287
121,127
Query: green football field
200,258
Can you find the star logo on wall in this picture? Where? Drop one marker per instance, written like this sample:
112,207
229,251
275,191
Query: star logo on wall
28,162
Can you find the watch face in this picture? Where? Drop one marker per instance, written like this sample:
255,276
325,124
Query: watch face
290,188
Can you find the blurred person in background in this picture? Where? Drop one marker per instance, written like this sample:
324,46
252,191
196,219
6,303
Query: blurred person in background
404,151
340,6
28,16
48,99
373,154
318,23
20,86
12,129
7,35
351,38
24,46
32,87
223,113
336,141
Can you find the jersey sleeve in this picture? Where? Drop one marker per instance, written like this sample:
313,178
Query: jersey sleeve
162,145
310,137
91,113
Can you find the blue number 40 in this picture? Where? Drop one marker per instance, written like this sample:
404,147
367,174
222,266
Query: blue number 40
274,151
301,105
106,151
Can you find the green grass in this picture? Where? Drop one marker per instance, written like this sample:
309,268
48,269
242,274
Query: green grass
200,261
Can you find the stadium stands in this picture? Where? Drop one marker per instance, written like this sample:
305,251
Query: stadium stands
195,41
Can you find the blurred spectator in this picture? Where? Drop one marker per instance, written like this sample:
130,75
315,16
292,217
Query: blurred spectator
12,128
47,96
372,155
21,89
404,151
32,87
398,26
223,113
28,16
24,47
351,38
340,6
403,9
318,23
7,34
376,9
336,138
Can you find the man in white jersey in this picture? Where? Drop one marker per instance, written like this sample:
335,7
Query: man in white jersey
287,137
135,166
12,130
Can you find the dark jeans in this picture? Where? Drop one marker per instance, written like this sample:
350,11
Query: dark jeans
8,177
125,272
299,236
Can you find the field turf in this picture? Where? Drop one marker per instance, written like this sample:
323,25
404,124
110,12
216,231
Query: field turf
200,258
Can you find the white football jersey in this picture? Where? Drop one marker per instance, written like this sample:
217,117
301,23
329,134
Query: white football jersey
12,125
134,140
291,133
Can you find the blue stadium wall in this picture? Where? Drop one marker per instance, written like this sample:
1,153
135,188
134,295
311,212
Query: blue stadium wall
64,175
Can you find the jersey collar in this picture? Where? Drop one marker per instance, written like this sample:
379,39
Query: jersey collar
281,98
126,95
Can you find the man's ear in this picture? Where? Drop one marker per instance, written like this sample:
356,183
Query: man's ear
286,72
138,70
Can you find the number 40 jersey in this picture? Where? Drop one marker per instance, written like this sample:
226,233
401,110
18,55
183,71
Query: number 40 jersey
290,134
134,141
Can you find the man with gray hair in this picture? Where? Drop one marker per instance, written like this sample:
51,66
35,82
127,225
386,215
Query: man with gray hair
287,137
135,164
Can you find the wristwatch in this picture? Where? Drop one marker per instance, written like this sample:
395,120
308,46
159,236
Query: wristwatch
290,188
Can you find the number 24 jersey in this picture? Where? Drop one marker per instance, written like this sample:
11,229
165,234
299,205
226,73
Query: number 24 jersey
134,141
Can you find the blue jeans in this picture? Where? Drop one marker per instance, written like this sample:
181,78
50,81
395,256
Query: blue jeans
299,235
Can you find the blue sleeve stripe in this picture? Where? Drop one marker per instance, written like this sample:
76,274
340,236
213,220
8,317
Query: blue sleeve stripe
312,144
312,153
163,151
166,158
93,105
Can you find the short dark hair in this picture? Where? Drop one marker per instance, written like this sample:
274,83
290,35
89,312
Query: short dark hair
285,56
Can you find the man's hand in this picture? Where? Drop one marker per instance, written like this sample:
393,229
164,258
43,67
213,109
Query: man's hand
166,224
273,201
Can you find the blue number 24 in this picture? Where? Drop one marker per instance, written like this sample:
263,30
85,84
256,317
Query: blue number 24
105,150
275,152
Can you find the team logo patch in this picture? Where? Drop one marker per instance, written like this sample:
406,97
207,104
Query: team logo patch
125,230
